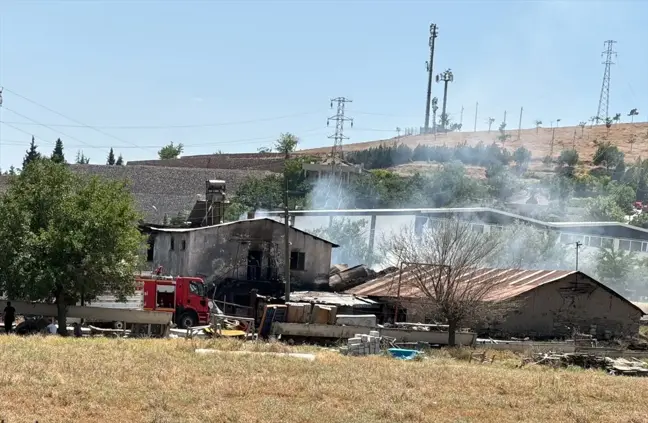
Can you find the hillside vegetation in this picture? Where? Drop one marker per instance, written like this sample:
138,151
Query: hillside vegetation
537,141
108,380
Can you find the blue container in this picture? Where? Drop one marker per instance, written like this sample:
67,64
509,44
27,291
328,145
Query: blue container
403,354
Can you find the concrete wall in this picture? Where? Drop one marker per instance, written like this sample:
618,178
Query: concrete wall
176,261
551,311
223,250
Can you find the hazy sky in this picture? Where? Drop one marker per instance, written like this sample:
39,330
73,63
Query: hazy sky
231,76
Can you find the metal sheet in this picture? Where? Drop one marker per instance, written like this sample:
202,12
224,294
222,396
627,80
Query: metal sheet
508,283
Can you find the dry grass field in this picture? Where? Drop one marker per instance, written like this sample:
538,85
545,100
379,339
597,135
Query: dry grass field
538,142
108,380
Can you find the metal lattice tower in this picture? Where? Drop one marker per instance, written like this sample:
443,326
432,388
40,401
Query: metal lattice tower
338,136
604,99
428,66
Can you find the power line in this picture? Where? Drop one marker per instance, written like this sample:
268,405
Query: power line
254,140
64,116
604,98
48,127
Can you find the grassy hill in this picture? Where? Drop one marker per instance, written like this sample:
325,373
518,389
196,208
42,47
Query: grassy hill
537,141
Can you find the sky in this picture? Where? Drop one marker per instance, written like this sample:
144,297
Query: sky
232,76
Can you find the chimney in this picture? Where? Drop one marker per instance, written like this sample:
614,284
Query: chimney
251,214
215,202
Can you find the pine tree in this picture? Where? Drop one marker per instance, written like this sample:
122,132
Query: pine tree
81,158
32,153
57,154
111,158
120,161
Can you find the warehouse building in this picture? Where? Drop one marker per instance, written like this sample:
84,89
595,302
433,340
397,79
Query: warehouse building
545,304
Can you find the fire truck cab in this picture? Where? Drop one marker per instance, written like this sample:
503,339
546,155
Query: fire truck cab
185,297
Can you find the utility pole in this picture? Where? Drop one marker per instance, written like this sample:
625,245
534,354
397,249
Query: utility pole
429,67
446,77
461,116
286,230
338,136
578,245
604,97
435,107
476,111
520,123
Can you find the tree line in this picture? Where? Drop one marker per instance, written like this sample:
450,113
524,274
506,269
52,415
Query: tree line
386,156
58,156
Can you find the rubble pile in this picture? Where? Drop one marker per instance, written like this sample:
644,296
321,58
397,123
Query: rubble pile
618,366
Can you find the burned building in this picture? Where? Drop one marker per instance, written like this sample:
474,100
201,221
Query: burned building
243,255
544,303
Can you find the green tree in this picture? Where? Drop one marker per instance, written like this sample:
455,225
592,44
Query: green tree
632,113
32,154
568,158
604,209
623,195
608,155
614,266
170,151
503,136
57,154
64,237
538,124
641,220
286,143
111,158
120,161
522,157
81,158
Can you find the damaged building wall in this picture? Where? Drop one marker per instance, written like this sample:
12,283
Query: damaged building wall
170,251
549,311
243,250
575,302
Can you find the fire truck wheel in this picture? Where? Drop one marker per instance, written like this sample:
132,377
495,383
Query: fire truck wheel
186,320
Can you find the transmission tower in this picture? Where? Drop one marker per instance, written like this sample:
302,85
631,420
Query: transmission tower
338,137
445,77
428,65
604,99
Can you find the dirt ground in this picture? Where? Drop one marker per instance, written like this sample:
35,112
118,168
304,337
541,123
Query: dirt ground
57,380
538,142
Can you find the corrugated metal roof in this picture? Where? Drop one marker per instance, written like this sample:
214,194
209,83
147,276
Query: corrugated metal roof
332,298
507,283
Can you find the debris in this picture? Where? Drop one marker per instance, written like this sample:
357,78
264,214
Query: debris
615,366
362,344
309,357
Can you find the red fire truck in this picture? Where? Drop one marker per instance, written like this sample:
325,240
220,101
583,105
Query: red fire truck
185,297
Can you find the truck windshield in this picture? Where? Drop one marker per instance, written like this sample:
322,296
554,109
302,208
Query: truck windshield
197,288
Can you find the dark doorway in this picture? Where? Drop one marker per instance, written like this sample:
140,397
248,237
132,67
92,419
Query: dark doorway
255,259
149,250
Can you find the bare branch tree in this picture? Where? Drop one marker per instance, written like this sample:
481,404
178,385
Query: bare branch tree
444,265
